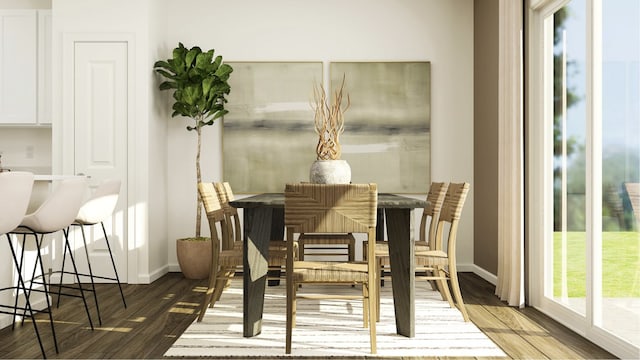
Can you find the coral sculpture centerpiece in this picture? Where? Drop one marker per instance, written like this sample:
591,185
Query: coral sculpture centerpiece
329,125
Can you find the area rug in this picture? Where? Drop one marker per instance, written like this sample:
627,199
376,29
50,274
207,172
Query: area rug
332,329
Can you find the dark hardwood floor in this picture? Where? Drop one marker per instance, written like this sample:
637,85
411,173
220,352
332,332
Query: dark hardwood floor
158,313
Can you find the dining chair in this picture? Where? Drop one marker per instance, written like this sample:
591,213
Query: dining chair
277,247
441,262
15,192
331,208
430,215
95,211
55,214
226,257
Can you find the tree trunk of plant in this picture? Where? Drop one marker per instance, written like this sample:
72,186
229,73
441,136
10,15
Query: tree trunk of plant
198,176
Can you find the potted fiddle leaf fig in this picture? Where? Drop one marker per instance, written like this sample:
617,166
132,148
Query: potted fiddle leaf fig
199,81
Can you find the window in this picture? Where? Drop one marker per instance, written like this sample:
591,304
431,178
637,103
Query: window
583,161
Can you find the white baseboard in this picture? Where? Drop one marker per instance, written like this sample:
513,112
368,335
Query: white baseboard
174,267
6,319
153,276
493,279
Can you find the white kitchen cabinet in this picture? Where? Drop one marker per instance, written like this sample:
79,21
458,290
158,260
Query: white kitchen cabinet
18,66
25,67
44,67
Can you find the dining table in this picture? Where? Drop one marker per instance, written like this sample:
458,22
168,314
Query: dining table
263,220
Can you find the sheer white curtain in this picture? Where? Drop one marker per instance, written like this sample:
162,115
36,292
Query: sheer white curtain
510,286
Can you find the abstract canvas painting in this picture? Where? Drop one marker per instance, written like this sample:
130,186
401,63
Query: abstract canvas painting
387,137
268,134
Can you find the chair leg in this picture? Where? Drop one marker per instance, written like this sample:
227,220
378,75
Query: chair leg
219,287
291,299
440,287
365,305
378,290
222,282
27,301
93,284
372,314
106,239
75,269
301,250
437,284
442,283
352,252
208,298
453,276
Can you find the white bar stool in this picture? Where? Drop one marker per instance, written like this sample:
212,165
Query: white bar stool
15,192
57,213
95,211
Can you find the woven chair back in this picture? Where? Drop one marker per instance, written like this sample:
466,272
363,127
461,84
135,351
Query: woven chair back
311,208
225,195
435,199
213,208
454,201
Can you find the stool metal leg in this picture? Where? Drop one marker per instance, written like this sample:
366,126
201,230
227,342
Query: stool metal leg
64,261
44,284
93,284
75,269
19,268
106,239
22,286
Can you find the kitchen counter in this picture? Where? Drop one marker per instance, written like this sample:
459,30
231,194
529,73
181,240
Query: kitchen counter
54,177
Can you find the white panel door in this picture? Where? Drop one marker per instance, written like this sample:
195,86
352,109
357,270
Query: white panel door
100,121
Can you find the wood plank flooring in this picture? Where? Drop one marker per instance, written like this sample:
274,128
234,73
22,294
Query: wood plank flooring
158,313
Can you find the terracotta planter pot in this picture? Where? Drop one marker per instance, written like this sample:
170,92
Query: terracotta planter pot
194,257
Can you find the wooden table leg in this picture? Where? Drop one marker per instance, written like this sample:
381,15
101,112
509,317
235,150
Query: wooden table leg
257,232
277,233
402,257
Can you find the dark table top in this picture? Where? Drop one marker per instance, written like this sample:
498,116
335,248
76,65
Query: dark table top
276,200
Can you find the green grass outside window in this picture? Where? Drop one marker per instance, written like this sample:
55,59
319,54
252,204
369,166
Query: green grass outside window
620,269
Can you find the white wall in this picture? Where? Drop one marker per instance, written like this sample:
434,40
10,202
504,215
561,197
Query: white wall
157,154
439,31
26,148
162,167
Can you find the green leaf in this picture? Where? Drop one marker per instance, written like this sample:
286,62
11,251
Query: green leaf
219,114
207,83
203,60
192,94
217,62
191,56
224,71
163,65
165,74
168,85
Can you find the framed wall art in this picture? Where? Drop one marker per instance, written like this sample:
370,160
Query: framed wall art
387,137
268,135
